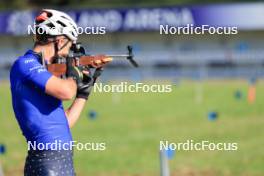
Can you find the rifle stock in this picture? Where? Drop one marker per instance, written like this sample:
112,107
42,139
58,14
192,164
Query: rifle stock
59,69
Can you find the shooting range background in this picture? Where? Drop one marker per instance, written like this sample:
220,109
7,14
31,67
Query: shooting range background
217,92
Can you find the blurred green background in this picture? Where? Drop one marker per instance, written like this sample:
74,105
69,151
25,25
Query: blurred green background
132,124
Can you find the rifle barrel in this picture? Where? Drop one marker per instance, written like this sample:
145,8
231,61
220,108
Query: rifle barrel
121,55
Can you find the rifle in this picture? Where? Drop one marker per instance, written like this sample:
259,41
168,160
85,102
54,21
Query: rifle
77,57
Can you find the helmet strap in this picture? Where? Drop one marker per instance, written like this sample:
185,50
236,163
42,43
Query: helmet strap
57,49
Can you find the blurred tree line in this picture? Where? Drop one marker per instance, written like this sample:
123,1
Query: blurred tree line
37,4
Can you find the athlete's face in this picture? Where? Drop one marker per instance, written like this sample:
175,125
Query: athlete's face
65,45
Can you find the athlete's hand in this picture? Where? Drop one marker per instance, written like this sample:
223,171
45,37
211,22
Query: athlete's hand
84,88
75,73
98,73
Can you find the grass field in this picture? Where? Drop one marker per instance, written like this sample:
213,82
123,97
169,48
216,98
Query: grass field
134,123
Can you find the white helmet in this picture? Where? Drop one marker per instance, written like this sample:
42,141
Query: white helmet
54,23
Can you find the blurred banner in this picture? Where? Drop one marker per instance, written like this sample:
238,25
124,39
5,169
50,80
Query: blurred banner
246,16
